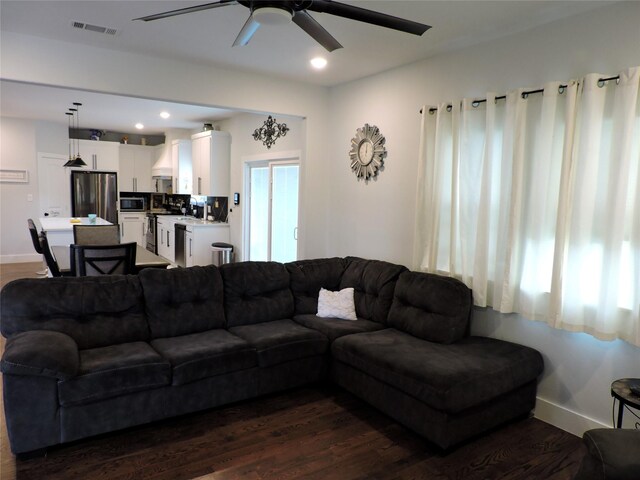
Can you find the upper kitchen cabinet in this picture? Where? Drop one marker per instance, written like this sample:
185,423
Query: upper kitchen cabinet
211,153
181,166
100,155
135,168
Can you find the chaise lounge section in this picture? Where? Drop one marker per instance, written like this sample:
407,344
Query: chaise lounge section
91,355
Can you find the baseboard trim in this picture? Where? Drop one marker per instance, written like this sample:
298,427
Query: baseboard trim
564,418
22,258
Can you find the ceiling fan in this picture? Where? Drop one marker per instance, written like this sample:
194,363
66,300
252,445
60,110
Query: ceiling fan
277,12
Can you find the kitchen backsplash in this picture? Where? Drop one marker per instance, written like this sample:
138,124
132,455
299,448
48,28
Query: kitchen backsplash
196,205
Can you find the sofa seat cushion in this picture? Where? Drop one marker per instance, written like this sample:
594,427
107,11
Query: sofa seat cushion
446,377
281,341
205,354
335,327
116,370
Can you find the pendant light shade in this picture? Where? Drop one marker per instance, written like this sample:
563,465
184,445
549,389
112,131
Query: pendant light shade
75,162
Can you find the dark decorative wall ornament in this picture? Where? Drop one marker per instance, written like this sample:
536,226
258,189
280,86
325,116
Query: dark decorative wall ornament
270,132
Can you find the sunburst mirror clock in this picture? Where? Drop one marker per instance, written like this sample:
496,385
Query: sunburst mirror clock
367,151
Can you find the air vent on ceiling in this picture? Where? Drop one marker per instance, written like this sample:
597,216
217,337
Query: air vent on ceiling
94,28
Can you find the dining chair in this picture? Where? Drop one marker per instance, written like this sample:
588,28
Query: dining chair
52,265
33,231
96,234
93,260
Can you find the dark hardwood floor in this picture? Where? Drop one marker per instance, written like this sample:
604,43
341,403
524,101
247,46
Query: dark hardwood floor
319,432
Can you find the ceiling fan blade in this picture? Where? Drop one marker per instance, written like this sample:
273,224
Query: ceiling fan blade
307,23
248,29
182,11
368,16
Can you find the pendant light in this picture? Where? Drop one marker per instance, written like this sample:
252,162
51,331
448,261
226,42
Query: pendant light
75,160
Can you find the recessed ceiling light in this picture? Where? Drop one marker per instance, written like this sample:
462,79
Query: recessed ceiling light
139,126
318,63
165,115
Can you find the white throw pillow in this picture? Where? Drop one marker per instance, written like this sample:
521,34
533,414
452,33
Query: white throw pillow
337,304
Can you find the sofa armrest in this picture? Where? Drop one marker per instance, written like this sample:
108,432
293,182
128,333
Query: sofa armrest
42,353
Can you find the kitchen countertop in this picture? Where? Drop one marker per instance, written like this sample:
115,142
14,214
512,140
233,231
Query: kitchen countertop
192,221
50,224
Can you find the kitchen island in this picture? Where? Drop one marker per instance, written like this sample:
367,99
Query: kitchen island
59,230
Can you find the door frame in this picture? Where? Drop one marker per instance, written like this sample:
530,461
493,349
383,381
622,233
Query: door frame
248,161
41,157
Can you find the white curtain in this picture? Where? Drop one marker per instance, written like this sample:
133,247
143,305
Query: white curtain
534,202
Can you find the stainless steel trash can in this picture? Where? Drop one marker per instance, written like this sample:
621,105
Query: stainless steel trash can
221,253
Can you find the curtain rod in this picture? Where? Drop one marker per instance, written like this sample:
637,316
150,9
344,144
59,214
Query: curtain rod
475,103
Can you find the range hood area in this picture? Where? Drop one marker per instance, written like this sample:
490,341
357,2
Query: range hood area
163,168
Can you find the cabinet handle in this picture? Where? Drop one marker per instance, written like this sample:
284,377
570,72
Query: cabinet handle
168,244
190,247
199,186
122,232
295,233
135,184
175,186
94,160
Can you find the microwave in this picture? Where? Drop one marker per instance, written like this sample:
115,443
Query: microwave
132,204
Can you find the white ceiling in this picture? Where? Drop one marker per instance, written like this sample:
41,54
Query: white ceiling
283,51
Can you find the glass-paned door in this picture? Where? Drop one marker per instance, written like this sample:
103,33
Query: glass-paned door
273,211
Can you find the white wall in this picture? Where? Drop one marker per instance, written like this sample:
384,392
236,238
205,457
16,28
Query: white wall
243,145
376,220
20,141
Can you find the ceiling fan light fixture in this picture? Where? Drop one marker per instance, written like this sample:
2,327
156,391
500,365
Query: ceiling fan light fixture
272,16
165,115
318,63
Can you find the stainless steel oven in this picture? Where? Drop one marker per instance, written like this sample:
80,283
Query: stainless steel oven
150,240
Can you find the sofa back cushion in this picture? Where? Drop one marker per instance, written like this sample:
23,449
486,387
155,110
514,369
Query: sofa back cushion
256,292
181,301
431,307
309,276
94,311
373,282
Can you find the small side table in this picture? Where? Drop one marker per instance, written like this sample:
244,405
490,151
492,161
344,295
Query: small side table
620,390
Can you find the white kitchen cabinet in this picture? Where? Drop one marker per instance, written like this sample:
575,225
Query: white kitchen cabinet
100,155
181,165
135,168
165,233
198,240
211,154
132,228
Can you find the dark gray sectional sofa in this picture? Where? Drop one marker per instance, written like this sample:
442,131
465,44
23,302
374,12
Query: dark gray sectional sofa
91,355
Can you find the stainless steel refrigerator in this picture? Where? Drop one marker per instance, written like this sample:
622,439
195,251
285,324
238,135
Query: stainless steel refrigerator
94,192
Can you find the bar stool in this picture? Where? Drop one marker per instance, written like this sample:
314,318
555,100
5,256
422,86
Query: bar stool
35,238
